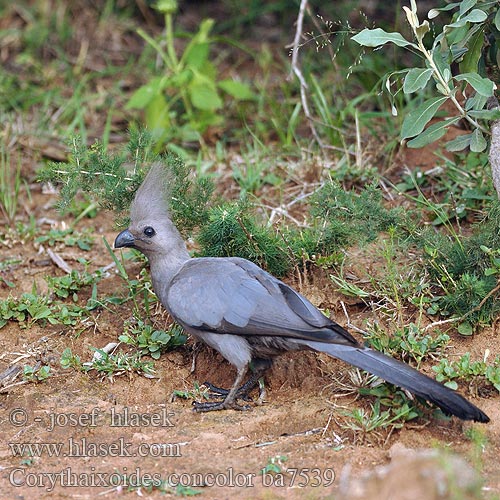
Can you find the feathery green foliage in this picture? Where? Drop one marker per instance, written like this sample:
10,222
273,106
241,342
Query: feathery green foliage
459,267
95,171
464,271
113,183
189,197
232,231
349,217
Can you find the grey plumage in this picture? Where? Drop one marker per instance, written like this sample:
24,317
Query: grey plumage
248,315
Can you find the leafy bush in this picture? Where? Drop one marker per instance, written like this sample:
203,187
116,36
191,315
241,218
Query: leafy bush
349,217
464,42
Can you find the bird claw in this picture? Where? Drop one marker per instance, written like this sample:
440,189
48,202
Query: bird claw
217,392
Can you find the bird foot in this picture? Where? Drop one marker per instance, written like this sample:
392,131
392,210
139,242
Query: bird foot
218,392
215,406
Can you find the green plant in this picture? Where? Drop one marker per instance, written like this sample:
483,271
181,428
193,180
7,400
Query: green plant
107,178
461,42
274,465
348,217
27,310
185,100
198,392
37,373
461,186
92,170
69,284
252,173
68,237
31,308
70,360
362,422
114,365
408,343
231,230
478,373
462,270
151,341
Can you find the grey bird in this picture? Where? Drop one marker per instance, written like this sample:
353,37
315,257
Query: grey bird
248,315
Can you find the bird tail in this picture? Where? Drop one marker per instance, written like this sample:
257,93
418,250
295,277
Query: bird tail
403,375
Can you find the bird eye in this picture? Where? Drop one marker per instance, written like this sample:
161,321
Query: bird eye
149,231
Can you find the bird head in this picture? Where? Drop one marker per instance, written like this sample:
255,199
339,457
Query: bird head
151,231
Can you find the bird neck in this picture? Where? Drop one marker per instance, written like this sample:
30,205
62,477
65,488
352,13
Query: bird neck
164,267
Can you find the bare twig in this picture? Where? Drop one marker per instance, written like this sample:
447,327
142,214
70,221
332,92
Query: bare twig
468,313
59,261
295,69
86,172
5,389
349,324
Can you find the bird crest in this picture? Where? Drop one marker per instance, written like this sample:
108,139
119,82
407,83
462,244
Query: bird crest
151,199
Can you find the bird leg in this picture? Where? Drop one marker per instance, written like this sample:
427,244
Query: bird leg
259,366
230,400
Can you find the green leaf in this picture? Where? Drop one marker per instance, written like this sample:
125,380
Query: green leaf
483,86
459,143
440,60
470,60
422,30
497,20
205,29
485,114
196,55
476,102
435,12
416,79
465,6
465,328
157,113
378,37
145,94
238,90
478,142
417,119
203,94
451,384
431,133
476,16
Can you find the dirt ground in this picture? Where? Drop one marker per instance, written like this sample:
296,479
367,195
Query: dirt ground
108,430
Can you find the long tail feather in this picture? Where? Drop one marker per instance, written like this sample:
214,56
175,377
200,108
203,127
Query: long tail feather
404,376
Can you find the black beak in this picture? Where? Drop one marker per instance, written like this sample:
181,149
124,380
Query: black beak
124,239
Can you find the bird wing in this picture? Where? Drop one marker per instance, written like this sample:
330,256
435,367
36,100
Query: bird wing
233,295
